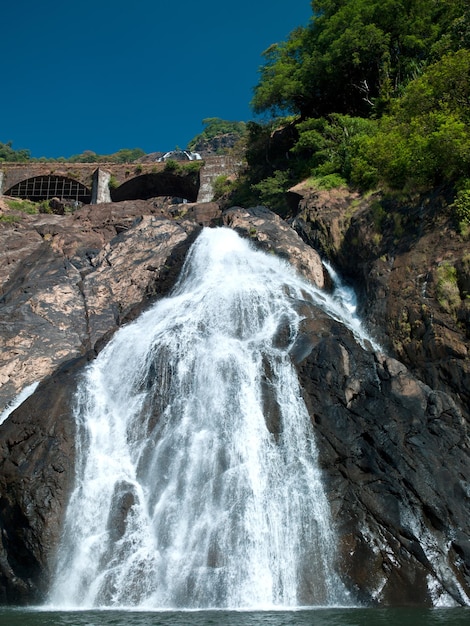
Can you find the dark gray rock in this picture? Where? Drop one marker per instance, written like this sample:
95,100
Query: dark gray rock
37,465
396,462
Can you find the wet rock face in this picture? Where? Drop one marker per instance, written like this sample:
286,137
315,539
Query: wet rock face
273,235
396,463
37,465
411,269
69,282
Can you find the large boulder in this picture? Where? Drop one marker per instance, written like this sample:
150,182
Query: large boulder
411,269
274,235
396,462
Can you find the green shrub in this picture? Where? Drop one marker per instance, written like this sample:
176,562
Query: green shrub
45,207
461,207
272,190
221,185
113,182
25,206
329,181
171,165
185,167
331,145
447,289
378,215
191,166
7,153
9,219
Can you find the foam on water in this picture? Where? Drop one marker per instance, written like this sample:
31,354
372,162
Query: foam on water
197,478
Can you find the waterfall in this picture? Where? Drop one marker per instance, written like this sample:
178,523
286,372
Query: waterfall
197,481
19,399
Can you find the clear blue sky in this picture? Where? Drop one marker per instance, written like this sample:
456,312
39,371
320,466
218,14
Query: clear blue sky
103,75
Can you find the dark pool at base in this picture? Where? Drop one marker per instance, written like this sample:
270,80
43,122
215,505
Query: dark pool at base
313,617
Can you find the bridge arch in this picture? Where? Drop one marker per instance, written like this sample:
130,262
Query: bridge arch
158,184
40,188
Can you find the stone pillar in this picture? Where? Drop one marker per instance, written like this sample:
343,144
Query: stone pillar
100,190
1,183
213,167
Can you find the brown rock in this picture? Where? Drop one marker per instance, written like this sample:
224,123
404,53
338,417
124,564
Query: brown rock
411,271
272,234
70,281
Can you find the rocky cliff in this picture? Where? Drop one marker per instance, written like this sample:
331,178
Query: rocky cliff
392,435
411,268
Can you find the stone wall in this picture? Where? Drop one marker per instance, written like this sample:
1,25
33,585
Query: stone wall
14,173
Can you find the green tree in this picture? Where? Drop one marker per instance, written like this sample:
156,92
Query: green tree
425,139
7,153
88,156
353,57
216,127
126,155
330,145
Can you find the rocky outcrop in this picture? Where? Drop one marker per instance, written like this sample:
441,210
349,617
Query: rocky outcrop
411,269
396,461
69,282
37,455
220,144
393,449
273,235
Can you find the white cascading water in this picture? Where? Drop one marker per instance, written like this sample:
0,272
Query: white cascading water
187,495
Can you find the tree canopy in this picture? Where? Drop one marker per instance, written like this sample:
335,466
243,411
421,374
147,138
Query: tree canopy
125,155
378,93
216,127
355,55
8,153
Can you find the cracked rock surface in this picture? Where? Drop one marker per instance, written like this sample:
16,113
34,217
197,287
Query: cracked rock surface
69,282
394,452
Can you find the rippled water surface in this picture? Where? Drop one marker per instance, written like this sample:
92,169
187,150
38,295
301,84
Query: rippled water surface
317,617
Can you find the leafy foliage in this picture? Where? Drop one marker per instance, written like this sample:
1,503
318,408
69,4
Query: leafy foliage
25,206
182,167
461,207
425,139
221,185
272,189
331,145
7,153
125,155
354,55
447,290
380,91
216,127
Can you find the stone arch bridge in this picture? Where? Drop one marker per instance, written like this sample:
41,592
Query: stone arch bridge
94,183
